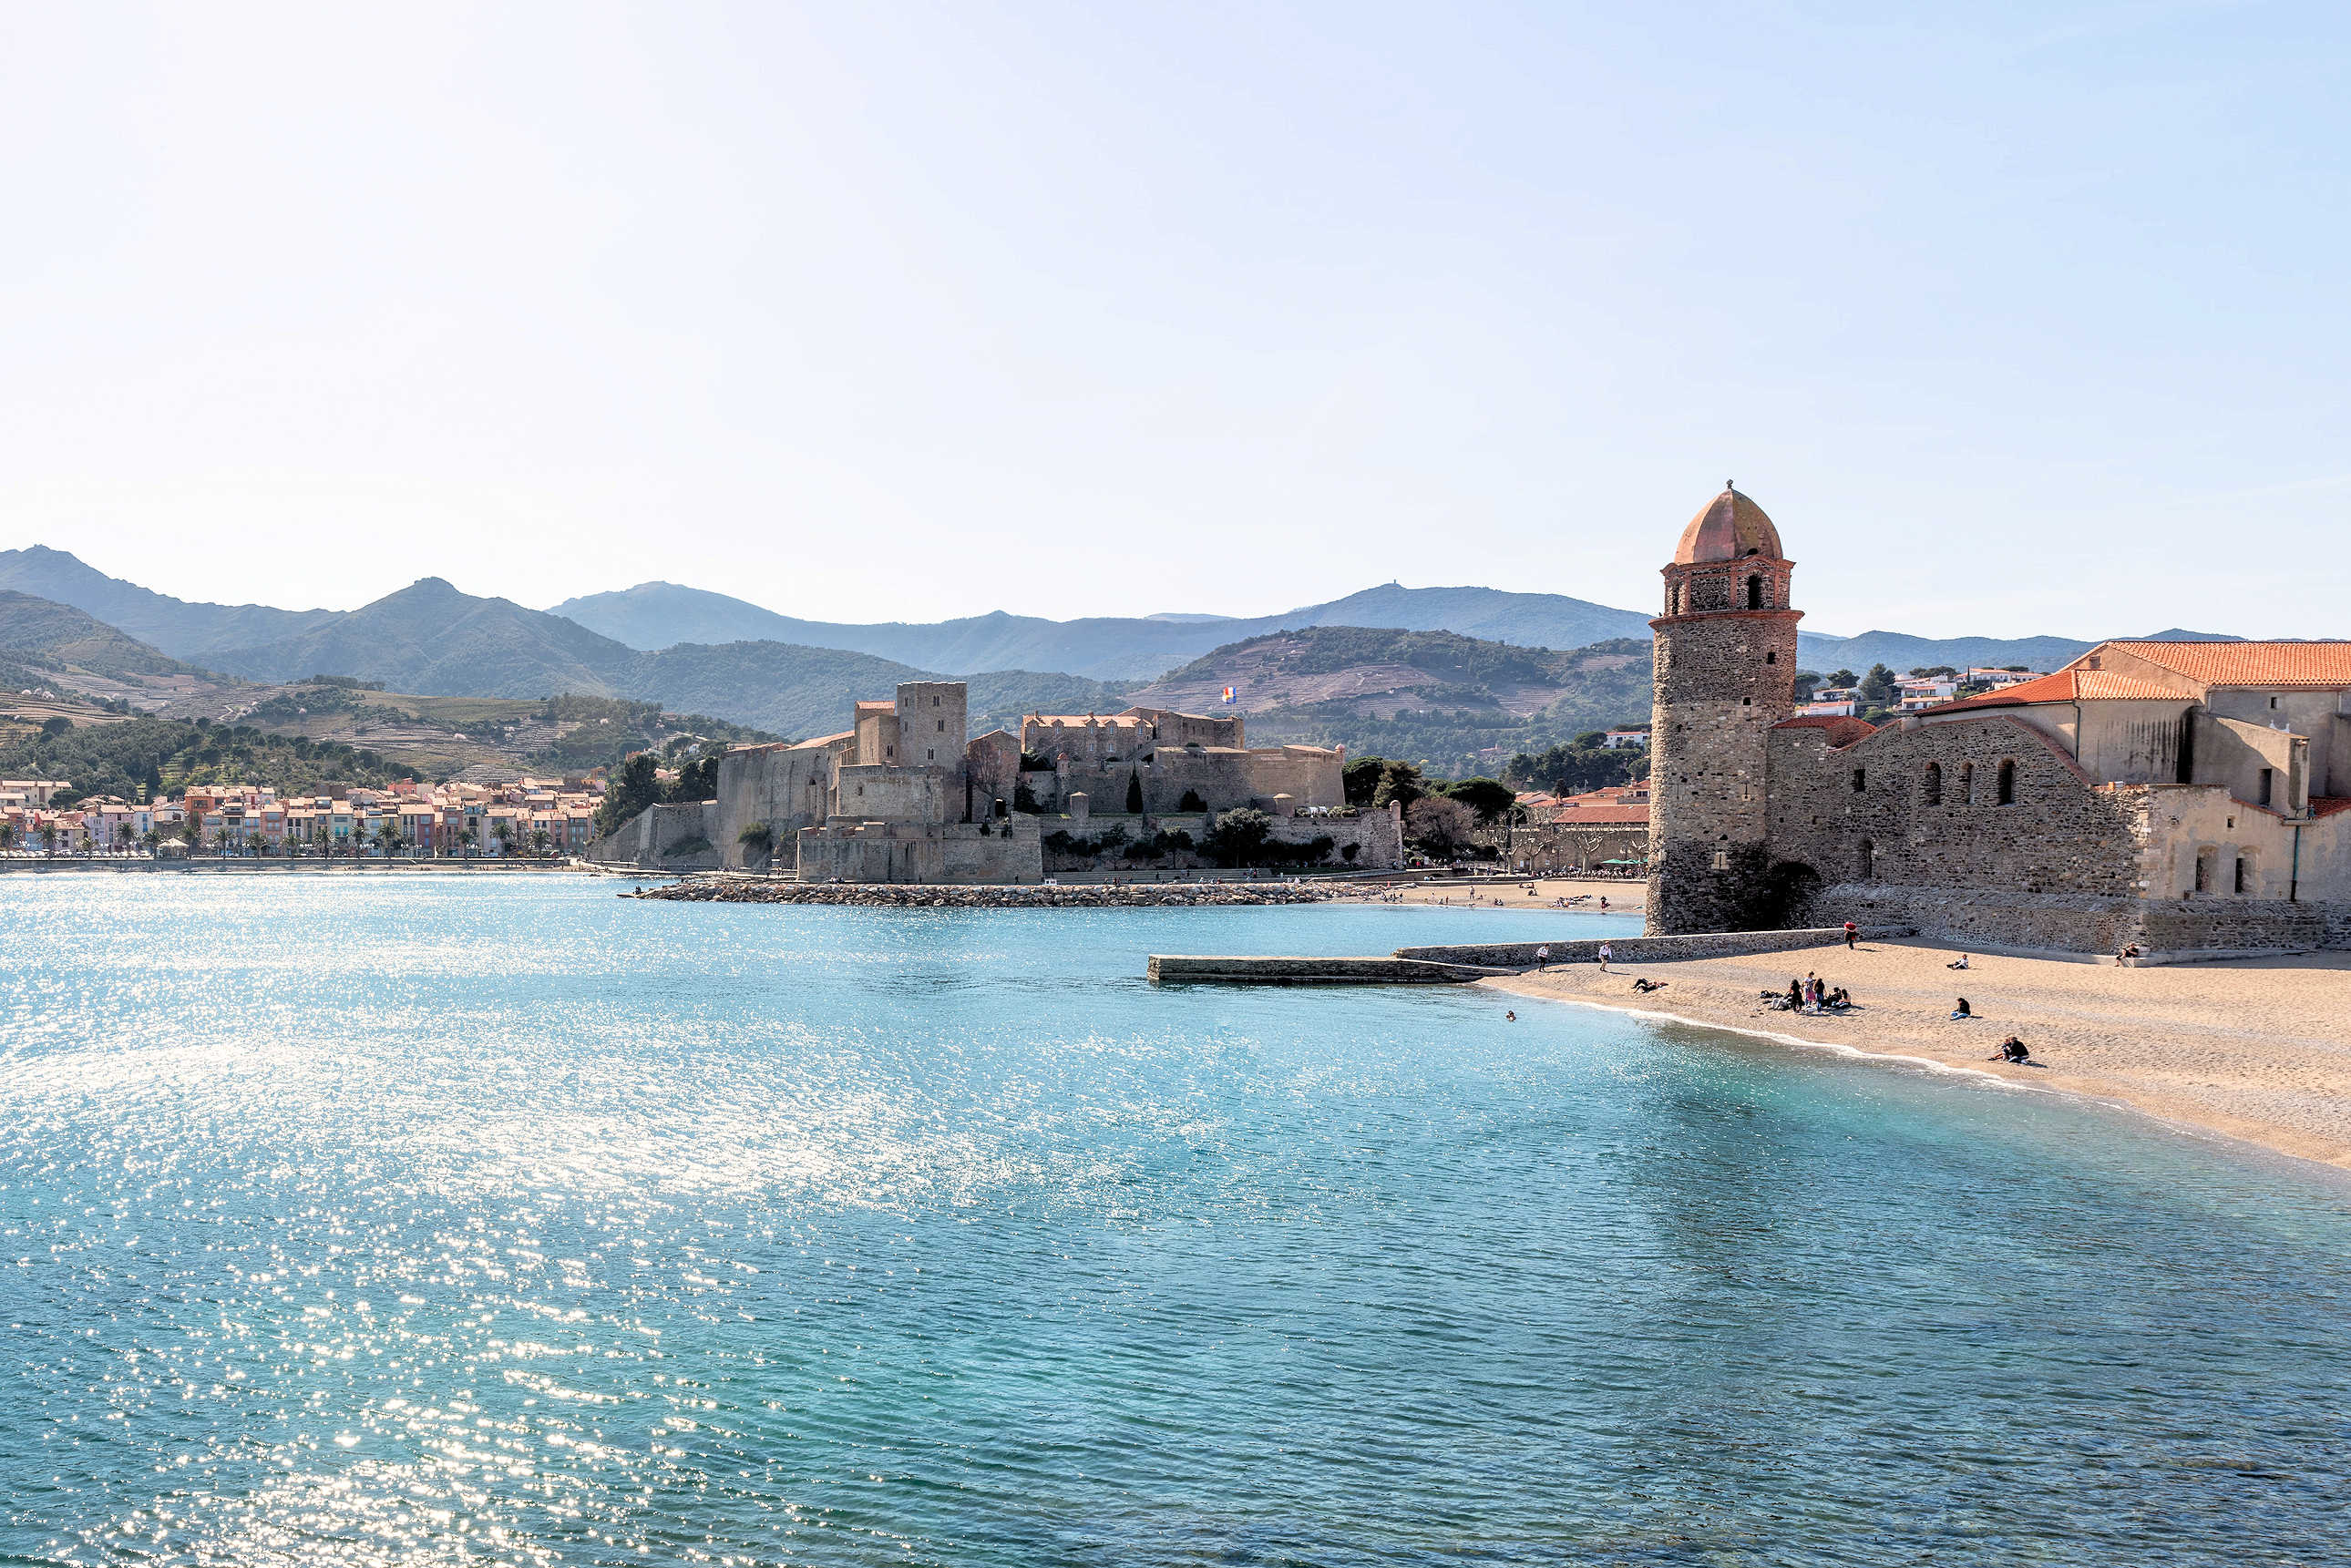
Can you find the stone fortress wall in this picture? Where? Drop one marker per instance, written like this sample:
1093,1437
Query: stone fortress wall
673,837
902,795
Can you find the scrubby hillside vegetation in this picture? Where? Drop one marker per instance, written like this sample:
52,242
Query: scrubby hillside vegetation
1457,706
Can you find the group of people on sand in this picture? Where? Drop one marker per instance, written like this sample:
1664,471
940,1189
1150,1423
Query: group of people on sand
1810,994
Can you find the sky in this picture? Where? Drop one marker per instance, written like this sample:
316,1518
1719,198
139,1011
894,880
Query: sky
2017,319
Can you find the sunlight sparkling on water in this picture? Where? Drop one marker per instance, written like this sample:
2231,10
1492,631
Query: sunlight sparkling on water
430,1221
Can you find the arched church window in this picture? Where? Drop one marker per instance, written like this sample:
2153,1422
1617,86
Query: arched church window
2007,796
1934,784
2244,881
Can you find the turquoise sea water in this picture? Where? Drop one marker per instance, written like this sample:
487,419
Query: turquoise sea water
438,1221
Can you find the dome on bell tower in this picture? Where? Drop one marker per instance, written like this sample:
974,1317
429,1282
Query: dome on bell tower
1729,527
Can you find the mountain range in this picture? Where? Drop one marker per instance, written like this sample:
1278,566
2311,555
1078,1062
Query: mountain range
695,651
656,615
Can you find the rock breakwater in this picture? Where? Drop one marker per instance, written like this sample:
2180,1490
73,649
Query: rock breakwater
907,895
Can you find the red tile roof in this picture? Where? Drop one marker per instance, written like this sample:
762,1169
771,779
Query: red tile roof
2327,805
2069,684
2246,663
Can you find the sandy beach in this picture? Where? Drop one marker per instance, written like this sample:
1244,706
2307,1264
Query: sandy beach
2257,1049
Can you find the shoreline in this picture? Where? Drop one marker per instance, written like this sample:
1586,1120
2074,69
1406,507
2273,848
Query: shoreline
2255,1052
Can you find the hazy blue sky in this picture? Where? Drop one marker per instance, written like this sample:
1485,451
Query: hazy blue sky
2016,318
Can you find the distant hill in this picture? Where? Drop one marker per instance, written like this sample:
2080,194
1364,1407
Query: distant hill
181,630
430,638
1457,705
45,646
655,615
44,633
1902,653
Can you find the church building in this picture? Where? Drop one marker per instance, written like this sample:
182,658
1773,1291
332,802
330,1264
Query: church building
2181,796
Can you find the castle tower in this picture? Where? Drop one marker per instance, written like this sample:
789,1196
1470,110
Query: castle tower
1726,673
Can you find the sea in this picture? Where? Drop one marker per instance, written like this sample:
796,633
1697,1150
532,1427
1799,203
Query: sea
415,1219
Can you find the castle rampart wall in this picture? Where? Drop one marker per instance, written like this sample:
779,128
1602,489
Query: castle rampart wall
922,852
784,787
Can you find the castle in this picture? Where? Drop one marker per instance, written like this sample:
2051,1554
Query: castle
2184,796
903,795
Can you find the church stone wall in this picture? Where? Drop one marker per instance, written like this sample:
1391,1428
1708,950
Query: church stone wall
1867,814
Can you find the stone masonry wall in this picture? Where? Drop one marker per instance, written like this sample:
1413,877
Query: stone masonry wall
1871,812
1640,949
782,785
656,835
1722,680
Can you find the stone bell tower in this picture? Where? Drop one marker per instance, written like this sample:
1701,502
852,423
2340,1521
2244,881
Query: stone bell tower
1726,673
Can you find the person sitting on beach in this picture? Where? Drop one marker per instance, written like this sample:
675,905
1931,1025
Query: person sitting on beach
1962,1010
1795,994
1838,1001
1644,985
2014,1050
2130,950
1959,963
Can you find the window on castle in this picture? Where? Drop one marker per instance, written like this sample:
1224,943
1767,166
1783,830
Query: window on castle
1934,784
1754,593
1722,860
1860,779
1868,861
2244,876
943,727
2262,785
1966,783
2204,861
2007,796
1772,657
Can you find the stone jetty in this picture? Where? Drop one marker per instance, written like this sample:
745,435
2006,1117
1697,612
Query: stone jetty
913,895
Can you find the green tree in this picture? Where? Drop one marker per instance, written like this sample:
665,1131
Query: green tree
632,792
1237,837
1400,783
1134,793
1878,689
1490,798
1841,679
